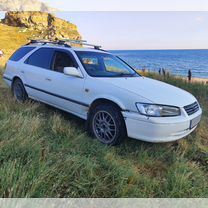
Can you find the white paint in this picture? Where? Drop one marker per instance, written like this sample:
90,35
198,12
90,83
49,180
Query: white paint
124,91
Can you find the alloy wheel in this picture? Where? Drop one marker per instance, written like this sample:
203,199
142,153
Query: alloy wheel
104,126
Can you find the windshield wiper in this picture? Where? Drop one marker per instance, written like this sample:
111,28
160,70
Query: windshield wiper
124,74
132,75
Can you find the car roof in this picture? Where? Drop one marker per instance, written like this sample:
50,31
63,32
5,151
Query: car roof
66,48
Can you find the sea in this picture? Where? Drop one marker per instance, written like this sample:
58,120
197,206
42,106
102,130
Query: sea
177,62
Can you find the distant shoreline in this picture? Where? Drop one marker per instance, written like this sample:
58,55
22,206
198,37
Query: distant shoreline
193,79
196,79
185,78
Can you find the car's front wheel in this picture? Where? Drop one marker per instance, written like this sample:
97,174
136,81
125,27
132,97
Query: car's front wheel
106,123
19,91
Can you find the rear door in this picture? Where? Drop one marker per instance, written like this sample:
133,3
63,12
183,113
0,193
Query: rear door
36,71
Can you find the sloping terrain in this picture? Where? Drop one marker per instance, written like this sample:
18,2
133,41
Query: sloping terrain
17,27
47,153
11,38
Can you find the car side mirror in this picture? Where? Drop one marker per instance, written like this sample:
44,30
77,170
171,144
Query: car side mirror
72,71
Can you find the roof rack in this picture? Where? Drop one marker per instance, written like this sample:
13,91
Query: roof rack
63,42
82,42
47,41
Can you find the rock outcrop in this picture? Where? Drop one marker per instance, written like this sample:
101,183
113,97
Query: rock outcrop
49,25
24,5
18,27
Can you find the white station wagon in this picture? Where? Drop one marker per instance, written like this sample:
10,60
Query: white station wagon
102,89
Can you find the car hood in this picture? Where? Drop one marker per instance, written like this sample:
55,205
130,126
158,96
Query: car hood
156,91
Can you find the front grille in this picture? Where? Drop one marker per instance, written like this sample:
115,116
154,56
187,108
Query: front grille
192,108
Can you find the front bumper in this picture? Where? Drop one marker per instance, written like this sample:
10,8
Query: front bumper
158,129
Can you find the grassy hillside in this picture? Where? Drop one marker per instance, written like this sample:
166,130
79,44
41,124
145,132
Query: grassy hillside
11,38
46,153
18,27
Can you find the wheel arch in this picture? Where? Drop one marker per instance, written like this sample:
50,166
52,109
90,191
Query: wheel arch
100,101
104,101
15,78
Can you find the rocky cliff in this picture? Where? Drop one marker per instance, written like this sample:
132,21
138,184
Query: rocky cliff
24,5
47,24
17,27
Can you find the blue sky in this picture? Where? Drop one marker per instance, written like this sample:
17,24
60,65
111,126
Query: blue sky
142,30
129,5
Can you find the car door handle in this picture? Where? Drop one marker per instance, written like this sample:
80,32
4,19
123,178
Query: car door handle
48,79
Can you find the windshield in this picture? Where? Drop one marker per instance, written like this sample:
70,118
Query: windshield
104,65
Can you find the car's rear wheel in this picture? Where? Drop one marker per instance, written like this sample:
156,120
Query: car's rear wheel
106,123
19,91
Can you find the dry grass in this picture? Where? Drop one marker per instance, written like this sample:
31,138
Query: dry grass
11,38
46,153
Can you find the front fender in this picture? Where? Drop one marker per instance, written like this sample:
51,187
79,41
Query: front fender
112,99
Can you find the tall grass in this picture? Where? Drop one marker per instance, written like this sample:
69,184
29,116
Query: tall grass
46,153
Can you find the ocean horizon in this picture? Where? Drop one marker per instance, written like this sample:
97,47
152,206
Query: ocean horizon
177,61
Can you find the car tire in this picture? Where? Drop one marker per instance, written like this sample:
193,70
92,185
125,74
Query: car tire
18,91
106,123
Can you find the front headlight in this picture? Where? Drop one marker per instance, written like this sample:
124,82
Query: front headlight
155,110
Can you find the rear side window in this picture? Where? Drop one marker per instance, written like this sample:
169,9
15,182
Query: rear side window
20,53
41,58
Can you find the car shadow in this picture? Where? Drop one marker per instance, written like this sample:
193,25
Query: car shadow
66,115
81,123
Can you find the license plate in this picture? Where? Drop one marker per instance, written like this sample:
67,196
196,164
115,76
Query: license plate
194,122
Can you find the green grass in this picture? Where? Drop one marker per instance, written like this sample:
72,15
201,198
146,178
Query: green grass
47,153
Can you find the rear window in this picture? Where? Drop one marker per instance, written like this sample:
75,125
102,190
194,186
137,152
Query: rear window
20,53
41,58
